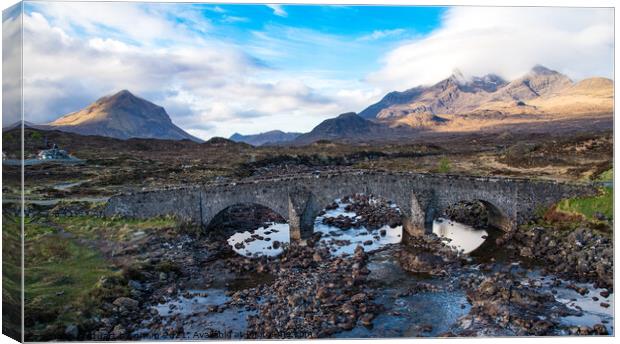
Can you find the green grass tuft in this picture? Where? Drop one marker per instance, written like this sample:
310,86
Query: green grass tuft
444,165
588,207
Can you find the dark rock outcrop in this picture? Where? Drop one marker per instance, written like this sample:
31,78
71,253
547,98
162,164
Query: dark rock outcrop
472,213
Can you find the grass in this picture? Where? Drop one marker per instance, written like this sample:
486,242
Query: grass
11,277
34,230
60,277
444,165
606,176
66,278
63,276
588,207
91,227
59,265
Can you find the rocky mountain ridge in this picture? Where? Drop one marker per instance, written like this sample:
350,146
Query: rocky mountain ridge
537,92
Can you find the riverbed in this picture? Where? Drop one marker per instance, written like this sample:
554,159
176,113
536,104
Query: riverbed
412,305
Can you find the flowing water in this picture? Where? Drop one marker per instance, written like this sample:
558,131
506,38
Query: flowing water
200,315
408,314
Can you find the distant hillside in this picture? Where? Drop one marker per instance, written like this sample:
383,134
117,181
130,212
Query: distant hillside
270,137
224,142
347,127
123,116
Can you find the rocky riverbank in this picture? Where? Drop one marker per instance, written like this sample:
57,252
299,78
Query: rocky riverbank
59,208
582,254
428,255
504,304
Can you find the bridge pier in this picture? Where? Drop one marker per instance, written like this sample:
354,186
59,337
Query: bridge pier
298,226
414,215
294,227
302,210
414,227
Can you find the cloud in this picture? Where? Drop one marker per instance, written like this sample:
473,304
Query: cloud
234,19
217,9
209,87
380,34
278,10
97,17
11,65
506,41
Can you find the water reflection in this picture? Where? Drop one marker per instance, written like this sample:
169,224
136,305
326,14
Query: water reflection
462,237
270,241
263,241
343,241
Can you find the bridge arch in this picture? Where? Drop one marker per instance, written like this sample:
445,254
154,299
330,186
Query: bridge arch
241,217
215,202
496,217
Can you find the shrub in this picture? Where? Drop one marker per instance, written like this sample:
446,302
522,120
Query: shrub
444,165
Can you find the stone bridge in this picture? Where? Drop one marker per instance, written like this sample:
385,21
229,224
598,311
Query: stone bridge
299,198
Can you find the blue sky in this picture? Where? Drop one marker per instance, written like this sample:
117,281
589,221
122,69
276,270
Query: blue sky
220,69
353,25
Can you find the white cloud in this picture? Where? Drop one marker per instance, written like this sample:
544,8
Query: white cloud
507,41
234,19
93,17
217,9
110,45
380,34
278,10
11,65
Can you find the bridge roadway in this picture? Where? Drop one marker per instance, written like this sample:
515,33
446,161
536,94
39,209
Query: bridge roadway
300,197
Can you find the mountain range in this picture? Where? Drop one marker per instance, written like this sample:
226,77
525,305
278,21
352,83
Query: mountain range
455,104
541,91
459,104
